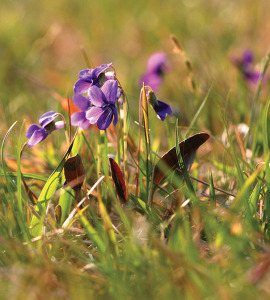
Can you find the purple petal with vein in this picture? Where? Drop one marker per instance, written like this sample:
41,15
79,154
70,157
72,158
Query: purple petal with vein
109,89
96,96
93,114
105,119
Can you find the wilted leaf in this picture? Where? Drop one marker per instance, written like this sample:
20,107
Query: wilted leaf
74,172
169,161
118,180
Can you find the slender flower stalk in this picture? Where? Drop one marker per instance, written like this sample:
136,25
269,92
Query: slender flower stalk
125,150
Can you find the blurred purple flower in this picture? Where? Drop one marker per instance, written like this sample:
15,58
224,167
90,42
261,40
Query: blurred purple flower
156,67
103,110
37,134
161,108
79,118
90,77
245,65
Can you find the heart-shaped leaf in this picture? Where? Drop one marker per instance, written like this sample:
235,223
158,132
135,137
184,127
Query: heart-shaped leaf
169,161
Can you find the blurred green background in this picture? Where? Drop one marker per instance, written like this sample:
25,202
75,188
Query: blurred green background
41,43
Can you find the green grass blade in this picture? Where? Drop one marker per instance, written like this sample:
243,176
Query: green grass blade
92,233
240,175
65,200
46,194
146,209
254,109
212,192
195,118
25,175
8,181
254,198
182,165
243,195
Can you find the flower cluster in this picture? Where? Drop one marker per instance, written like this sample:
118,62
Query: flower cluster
95,94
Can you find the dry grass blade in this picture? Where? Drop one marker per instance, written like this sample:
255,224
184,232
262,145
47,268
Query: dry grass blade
169,162
74,211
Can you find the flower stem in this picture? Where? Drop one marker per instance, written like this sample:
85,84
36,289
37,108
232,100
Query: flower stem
125,142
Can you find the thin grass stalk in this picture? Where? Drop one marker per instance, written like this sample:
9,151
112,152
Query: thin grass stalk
144,104
20,215
19,177
98,154
200,109
255,141
9,182
73,212
90,148
234,154
181,162
213,200
118,131
267,161
180,51
139,150
92,233
107,224
124,126
125,134
254,110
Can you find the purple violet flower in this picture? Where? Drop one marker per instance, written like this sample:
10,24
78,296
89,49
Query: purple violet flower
90,77
156,67
37,134
245,65
79,118
161,108
104,109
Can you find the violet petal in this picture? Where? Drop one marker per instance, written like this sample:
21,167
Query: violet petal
97,71
38,136
105,119
156,61
162,109
153,80
93,114
59,125
247,57
31,129
85,124
82,102
86,73
115,114
77,118
82,86
109,89
96,96
47,118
